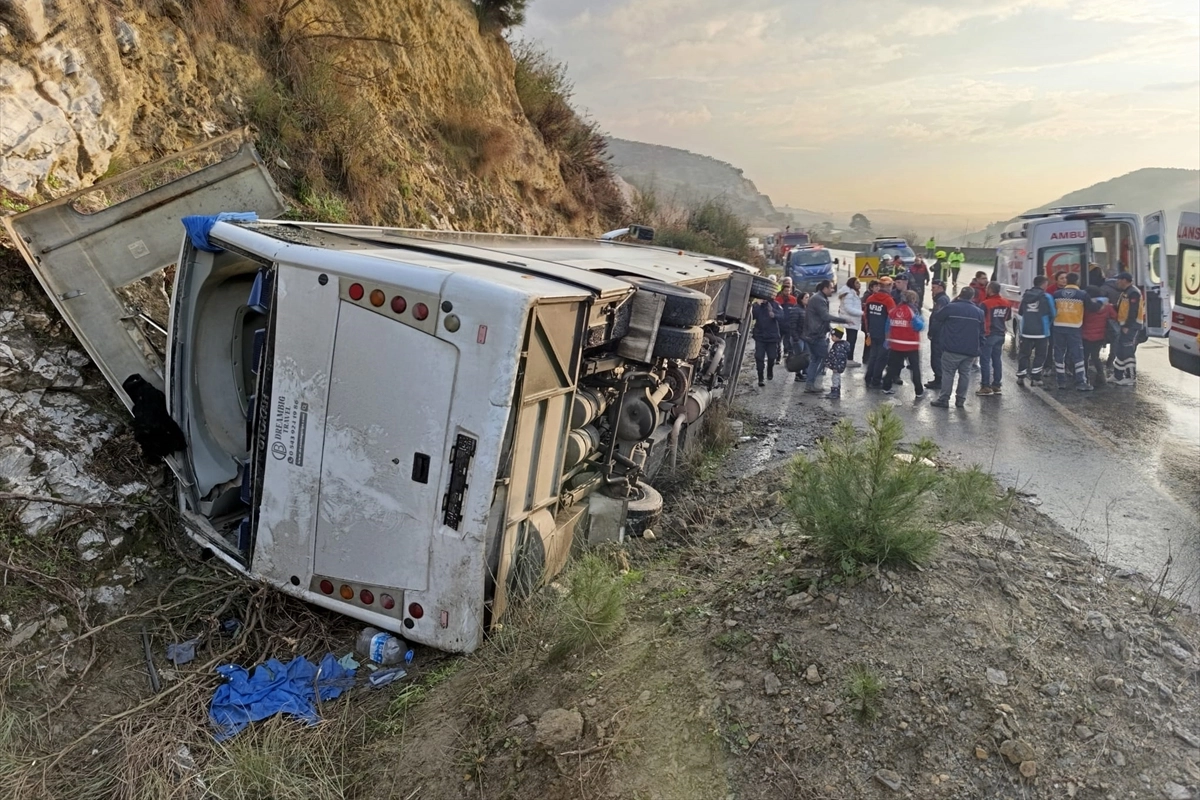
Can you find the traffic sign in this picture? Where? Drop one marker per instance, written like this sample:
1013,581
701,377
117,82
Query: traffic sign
865,266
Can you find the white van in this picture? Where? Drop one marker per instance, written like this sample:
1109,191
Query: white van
409,427
1067,239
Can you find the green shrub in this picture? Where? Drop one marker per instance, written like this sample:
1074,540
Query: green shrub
967,494
545,92
732,641
593,609
858,502
498,15
863,687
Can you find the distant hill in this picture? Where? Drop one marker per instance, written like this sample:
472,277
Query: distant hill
684,177
1142,191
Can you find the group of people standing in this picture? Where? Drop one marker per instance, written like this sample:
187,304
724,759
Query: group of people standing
1072,326
966,333
800,322
945,264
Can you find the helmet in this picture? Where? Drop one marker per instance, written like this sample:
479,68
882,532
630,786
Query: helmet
886,260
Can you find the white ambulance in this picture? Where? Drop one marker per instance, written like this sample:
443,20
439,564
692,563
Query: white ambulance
1185,316
1069,238
412,428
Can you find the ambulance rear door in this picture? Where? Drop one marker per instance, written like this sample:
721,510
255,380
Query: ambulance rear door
1156,284
1058,246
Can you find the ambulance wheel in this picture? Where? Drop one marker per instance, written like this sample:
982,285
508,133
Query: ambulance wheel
681,343
684,307
763,288
644,510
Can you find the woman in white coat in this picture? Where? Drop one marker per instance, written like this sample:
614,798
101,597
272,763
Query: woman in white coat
850,308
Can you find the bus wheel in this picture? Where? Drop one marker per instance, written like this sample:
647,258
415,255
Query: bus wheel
644,511
763,288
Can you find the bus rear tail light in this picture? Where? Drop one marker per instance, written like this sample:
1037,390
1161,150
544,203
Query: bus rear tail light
377,297
387,601
415,610
366,597
356,291
346,592
420,311
399,304
327,587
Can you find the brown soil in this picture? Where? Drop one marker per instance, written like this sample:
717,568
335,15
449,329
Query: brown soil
1100,678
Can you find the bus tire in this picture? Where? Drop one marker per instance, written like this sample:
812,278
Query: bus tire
684,307
763,288
644,510
681,343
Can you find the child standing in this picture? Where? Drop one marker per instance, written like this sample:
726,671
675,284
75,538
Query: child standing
839,354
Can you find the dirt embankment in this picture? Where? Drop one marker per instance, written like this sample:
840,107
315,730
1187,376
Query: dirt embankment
1013,665
369,111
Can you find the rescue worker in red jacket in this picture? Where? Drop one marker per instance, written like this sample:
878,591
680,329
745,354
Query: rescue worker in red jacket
979,283
1095,332
788,301
996,314
905,324
876,308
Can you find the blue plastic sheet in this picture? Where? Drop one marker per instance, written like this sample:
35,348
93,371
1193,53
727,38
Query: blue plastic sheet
198,227
274,688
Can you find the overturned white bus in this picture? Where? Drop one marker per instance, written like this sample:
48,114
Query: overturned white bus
413,428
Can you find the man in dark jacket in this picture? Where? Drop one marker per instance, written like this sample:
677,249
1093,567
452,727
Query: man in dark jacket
961,331
876,307
1037,317
817,321
767,334
940,301
919,276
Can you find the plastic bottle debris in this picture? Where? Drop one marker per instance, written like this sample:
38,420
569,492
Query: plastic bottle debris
385,676
383,648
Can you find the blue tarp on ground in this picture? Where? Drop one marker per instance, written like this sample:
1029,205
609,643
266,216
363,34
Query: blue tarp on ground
198,227
274,688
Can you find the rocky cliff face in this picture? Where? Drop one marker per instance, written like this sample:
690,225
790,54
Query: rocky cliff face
369,110
395,112
683,177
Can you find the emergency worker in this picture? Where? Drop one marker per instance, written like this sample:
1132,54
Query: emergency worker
1037,317
1131,316
996,314
1070,304
956,260
939,265
876,307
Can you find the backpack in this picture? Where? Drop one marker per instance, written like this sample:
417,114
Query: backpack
797,360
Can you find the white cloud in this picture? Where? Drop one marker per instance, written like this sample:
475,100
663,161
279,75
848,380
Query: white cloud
814,82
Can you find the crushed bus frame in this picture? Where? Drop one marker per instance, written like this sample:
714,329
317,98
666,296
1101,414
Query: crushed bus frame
413,428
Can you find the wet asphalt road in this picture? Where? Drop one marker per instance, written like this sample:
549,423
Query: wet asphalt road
1119,466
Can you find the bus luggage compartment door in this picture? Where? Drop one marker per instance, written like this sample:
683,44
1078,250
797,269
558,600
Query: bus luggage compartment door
382,469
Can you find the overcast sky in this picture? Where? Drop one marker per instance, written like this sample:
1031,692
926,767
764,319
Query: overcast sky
963,106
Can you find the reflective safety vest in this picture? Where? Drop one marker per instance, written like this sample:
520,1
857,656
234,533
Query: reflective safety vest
1131,301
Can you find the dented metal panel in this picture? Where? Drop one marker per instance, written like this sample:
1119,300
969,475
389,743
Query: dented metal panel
383,474
82,259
